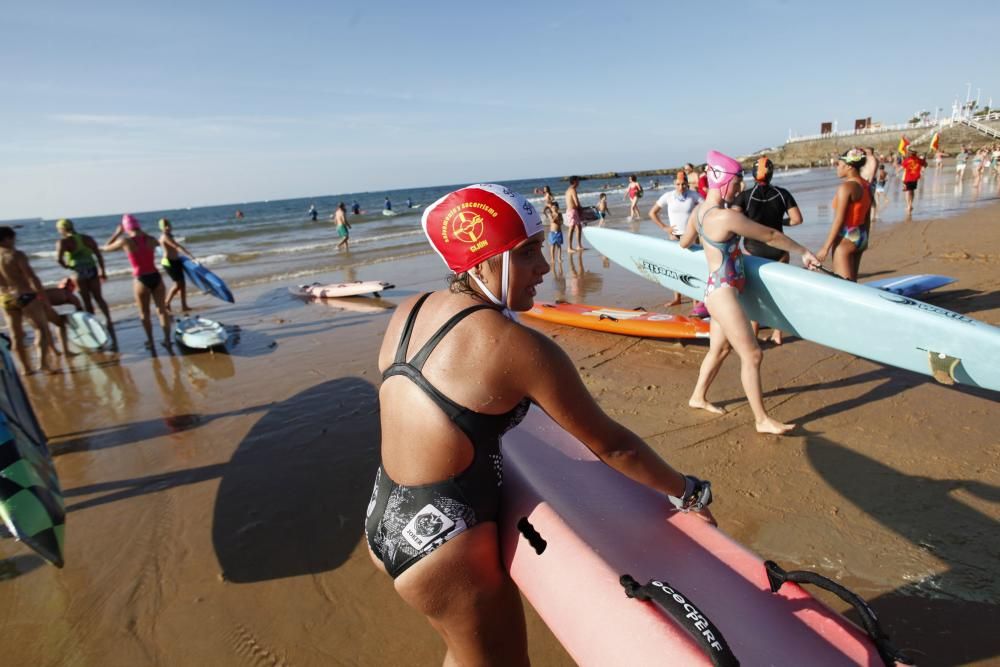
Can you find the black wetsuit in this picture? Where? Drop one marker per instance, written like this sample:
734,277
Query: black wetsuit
768,205
406,523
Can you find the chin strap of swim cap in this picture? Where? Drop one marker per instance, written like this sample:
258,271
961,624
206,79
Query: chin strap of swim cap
504,277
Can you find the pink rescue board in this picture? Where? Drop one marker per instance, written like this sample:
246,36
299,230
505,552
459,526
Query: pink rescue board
598,525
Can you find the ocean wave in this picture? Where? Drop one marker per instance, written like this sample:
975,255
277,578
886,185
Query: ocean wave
325,244
791,173
212,260
312,271
43,254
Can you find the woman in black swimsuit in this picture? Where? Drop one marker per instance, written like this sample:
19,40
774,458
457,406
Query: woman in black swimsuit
458,372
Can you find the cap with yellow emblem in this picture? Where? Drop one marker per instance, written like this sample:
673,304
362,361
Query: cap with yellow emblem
468,226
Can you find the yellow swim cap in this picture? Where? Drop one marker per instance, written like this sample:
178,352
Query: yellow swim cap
163,223
65,225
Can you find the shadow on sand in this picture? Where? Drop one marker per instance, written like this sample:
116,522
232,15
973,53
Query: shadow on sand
943,619
292,498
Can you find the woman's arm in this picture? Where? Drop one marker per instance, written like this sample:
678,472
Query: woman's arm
60,253
111,246
654,215
691,231
794,216
176,245
92,244
738,223
114,237
840,201
30,274
549,377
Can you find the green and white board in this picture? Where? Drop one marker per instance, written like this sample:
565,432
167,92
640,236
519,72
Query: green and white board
31,502
875,324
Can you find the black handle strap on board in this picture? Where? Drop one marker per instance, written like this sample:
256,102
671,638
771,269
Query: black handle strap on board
777,577
608,317
686,615
828,272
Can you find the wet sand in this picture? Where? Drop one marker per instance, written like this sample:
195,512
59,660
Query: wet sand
216,501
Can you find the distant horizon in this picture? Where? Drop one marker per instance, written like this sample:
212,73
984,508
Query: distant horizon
379,192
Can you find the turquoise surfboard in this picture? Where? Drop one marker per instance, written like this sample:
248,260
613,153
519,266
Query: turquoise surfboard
875,324
205,280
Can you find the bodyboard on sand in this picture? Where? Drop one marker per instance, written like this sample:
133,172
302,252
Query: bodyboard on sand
199,333
619,321
85,331
335,290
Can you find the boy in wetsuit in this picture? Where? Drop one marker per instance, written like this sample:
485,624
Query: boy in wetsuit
555,232
22,296
172,263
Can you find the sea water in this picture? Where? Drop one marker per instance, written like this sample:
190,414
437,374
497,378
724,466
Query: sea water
277,242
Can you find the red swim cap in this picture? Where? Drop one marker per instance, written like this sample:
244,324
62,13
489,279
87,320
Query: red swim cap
468,226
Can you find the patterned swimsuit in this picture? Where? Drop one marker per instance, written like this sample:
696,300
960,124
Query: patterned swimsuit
730,273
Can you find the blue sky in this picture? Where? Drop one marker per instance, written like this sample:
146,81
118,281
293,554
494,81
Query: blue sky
117,106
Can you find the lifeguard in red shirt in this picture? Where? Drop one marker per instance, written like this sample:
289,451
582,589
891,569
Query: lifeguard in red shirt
912,166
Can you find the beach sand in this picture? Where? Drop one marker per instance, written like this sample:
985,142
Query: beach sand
216,501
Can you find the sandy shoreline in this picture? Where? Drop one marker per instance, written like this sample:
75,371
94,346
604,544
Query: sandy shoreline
216,502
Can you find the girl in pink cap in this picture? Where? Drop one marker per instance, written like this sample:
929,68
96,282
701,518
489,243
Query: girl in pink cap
720,230
458,372
140,248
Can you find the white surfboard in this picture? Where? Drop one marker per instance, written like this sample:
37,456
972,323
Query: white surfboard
200,333
871,323
335,290
85,331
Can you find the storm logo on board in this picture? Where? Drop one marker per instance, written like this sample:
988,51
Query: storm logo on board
653,269
920,305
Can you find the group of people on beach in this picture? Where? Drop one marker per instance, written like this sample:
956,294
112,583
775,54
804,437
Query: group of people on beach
24,299
985,160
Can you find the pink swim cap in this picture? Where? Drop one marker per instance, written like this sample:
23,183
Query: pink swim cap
721,169
129,223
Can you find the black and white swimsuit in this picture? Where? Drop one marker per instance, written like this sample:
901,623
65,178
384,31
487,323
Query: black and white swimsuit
406,523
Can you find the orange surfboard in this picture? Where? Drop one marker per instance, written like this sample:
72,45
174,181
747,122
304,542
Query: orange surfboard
615,320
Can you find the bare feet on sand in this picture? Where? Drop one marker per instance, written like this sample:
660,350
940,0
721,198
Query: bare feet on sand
774,427
776,338
675,302
705,405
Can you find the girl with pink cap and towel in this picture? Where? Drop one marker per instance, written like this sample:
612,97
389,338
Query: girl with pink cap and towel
140,248
720,230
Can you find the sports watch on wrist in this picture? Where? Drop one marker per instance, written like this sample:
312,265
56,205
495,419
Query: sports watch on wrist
697,495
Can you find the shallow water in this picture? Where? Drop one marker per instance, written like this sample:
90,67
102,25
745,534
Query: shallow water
276,241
